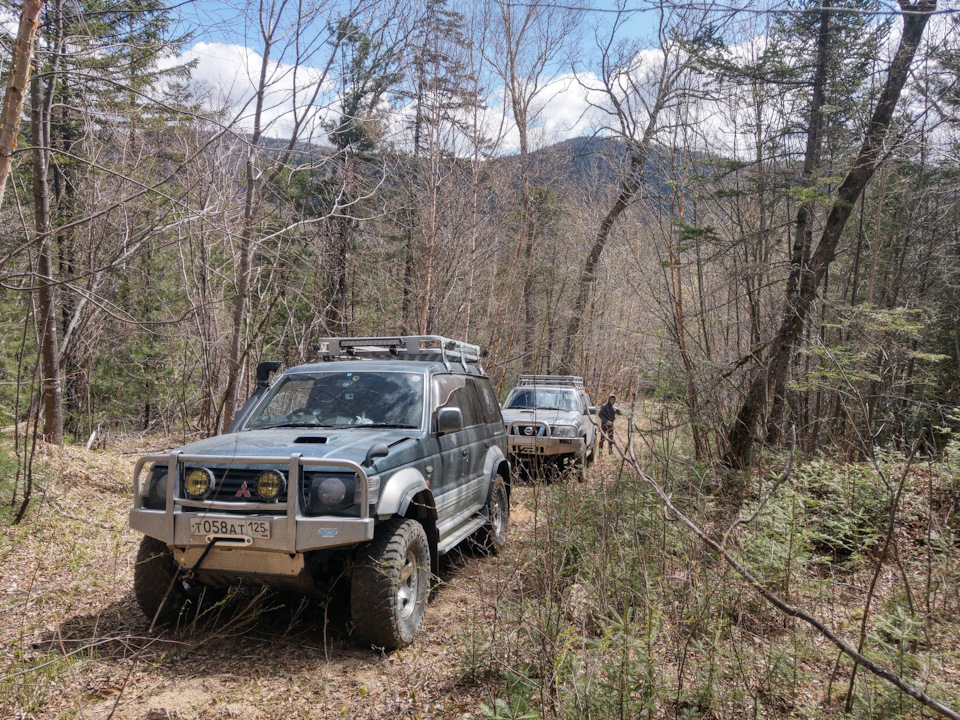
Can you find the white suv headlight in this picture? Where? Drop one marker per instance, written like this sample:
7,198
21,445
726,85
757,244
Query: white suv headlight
564,431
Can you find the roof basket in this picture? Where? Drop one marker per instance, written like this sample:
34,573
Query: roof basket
405,347
556,380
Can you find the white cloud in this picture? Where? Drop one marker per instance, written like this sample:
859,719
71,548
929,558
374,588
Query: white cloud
228,77
568,106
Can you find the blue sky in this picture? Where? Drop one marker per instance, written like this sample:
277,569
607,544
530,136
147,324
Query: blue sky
227,49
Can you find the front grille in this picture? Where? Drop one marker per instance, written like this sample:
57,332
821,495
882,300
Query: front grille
230,482
529,430
239,485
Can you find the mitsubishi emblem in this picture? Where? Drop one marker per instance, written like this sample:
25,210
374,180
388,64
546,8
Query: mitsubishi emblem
243,492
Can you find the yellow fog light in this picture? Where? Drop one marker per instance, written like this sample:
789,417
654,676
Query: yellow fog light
270,485
198,483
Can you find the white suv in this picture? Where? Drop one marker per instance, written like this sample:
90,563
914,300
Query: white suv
548,416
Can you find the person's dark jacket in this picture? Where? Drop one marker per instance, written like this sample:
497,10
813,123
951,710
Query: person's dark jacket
608,412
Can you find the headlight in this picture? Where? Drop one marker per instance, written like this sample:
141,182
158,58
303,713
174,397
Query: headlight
198,483
567,431
330,493
156,495
270,485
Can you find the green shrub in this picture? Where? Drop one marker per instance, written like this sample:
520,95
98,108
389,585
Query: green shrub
846,507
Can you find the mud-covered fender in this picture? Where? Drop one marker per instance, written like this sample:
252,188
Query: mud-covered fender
496,463
399,490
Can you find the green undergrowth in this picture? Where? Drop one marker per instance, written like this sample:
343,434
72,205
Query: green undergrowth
618,611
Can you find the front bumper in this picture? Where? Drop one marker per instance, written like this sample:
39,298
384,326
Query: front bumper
544,446
291,531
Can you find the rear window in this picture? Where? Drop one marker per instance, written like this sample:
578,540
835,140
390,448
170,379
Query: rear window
488,401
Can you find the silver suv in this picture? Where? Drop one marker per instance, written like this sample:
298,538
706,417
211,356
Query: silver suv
366,465
548,416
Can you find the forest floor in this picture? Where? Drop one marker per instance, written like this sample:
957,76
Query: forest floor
73,642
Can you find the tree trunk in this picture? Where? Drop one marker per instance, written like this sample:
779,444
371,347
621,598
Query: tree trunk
630,184
780,352
237,355
803,237
46,300
13,98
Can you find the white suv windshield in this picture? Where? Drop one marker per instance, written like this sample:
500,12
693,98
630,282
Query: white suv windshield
542,399
343,399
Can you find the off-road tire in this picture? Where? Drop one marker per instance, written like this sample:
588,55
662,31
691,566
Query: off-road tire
391,581
581,461
493,536
160,592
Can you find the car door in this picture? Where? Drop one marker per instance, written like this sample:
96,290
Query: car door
478,439
588,420
451,488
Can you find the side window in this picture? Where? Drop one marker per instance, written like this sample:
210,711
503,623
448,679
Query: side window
488,401
452,391
470,404
444,392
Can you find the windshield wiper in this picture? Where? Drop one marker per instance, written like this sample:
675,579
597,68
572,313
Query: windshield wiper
288,425
387,425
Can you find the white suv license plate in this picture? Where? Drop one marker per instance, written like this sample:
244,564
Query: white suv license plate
240,526
535,441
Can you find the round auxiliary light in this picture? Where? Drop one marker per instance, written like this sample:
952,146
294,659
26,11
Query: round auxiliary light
198,483
270,485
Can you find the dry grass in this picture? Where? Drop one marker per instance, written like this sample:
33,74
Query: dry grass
74,644
675,635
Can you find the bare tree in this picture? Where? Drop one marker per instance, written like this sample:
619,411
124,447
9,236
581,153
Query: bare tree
297,41
526,50
636,88
15,94
803,293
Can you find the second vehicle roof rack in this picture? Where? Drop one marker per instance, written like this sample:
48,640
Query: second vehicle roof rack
555,380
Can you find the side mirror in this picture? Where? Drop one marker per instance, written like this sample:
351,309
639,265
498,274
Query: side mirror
264,370
592,410
377,450
449,420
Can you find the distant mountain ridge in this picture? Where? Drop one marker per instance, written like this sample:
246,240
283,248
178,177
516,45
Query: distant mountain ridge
595,164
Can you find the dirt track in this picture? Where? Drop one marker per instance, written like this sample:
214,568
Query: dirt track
73,642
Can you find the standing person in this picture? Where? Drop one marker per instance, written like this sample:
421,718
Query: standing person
608,413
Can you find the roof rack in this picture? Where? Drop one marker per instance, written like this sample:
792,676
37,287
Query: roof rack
558,380
408,347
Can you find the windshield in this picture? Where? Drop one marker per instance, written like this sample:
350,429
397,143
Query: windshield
343,399
542,399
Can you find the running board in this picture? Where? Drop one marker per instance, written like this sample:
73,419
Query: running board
468,528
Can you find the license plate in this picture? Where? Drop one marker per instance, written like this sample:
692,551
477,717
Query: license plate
239,526
535,441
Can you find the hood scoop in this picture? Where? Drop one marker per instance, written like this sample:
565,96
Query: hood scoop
310,440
